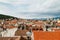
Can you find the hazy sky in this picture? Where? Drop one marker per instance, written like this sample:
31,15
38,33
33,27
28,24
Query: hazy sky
30,8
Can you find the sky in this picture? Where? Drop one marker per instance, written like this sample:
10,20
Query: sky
29,9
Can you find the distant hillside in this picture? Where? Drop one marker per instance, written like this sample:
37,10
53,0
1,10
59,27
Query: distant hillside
5,16
46,18
57,18
40,19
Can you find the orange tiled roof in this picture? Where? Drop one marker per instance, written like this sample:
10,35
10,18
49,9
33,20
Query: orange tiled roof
39,35
10,27
58,24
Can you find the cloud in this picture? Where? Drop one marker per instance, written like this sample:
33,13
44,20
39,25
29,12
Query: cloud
30,8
